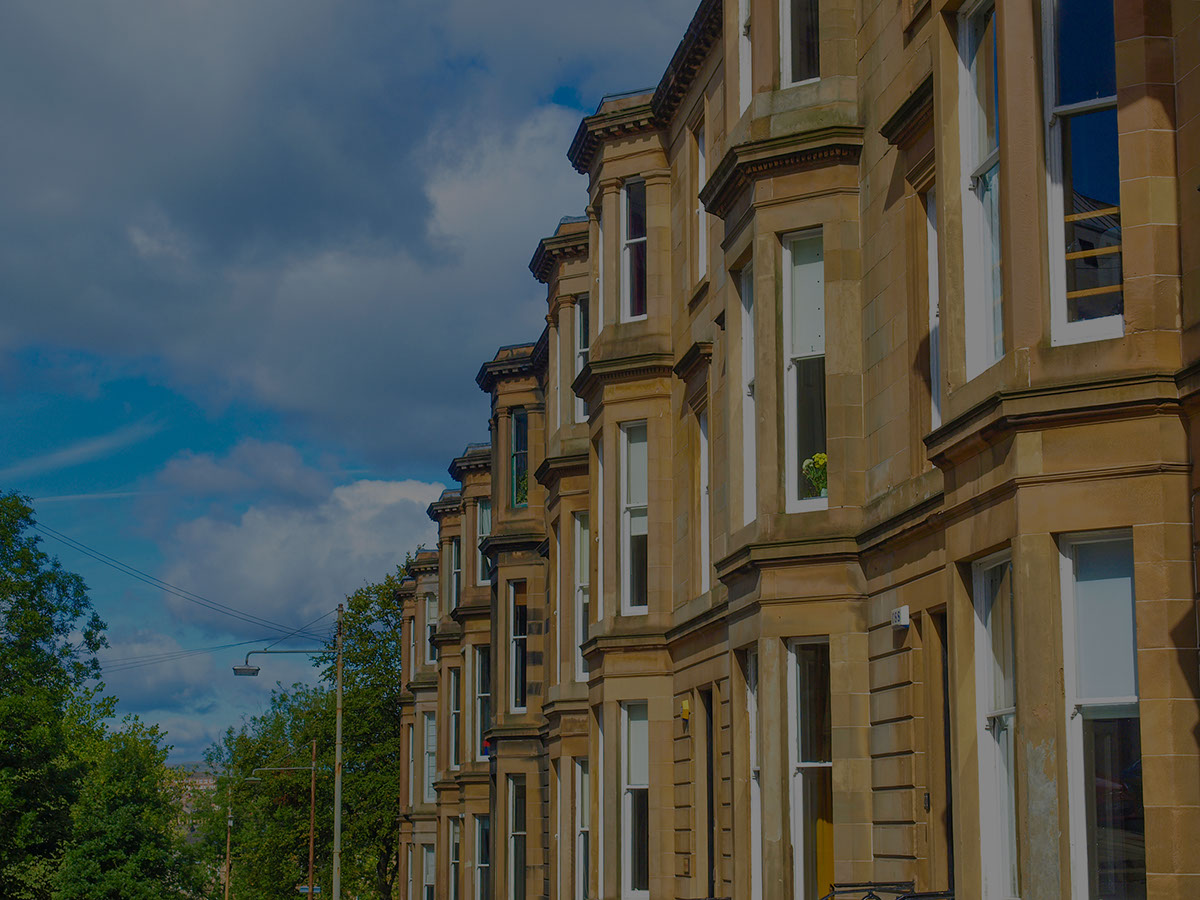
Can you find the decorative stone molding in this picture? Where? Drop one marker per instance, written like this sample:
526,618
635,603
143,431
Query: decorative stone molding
603,126
912,117
701,37
512,360
837,145
565,244
628,368
475,458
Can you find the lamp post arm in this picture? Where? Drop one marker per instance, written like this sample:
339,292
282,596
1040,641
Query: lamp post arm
309,652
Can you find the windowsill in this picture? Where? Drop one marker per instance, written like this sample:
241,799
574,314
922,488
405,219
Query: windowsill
811,504
629,612
795,84
641,318
1105,329
698,291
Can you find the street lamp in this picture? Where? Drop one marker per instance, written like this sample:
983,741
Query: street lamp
247,669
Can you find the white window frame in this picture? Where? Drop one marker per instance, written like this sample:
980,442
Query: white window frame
515,641
412,643
481,576
745,57
428,872
1078,711
701,215
582,350
704,491
411,875
627,788
797,767
1063,331
979,312
455,573
455,704
598,535
431,614
600,757
628,242
482,849
994,796
583,812
454,840
749,403
785,48
412,766
600,250
755,779
513,834
627,512
793,502
581,522
933,291
429,731
482,697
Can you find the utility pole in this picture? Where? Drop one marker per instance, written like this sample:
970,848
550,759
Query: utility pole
312,817
337,770
228,831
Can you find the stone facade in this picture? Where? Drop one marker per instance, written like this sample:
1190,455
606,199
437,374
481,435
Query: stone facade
953,250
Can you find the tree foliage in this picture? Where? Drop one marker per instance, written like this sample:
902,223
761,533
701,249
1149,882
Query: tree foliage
269,836
84,809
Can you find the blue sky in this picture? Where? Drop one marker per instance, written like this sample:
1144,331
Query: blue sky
239,243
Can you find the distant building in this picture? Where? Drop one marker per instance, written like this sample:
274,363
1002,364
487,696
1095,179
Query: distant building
839,526
198,789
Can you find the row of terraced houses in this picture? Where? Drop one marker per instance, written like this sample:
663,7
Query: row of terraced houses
839,528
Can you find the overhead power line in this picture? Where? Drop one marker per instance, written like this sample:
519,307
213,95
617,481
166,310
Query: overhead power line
182,593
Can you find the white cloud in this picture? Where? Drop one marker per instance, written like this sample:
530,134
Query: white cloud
81,451
250,468
292,564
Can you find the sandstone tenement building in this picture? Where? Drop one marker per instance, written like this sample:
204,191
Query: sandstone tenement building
840,527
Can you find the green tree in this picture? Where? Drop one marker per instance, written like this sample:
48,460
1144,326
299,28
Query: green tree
124,842
49,636
270,831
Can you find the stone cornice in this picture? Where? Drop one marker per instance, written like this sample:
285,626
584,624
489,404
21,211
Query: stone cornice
912,117
702,35
837,145
555,467
449,502
499,542
475,458
698,356
424,562
603,126
541,351
626,368
558,248
515,359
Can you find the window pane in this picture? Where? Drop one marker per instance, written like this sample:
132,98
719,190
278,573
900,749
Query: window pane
637,744
814,729
635,210
810,422
637,279
985,75
808,297
805,36
1116,824
988,191
639,562
817,786
1091,201
1087,66
998,599
639,855
637,476
518,803
582,325
1105,642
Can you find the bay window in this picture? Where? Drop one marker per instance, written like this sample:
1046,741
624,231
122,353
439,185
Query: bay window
518,656
811,757
430,757
1084,195
804,377
427,872
635,800
634,519
749,411
455,586
583,611
996,700
980,117
455,717
583,344
800,37
483,858
516,837
519,459
1104,753
633,251
483,528
700,216
483,701
431,617
455,841
583,815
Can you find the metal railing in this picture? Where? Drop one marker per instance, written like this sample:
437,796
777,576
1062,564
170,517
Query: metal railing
884,890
